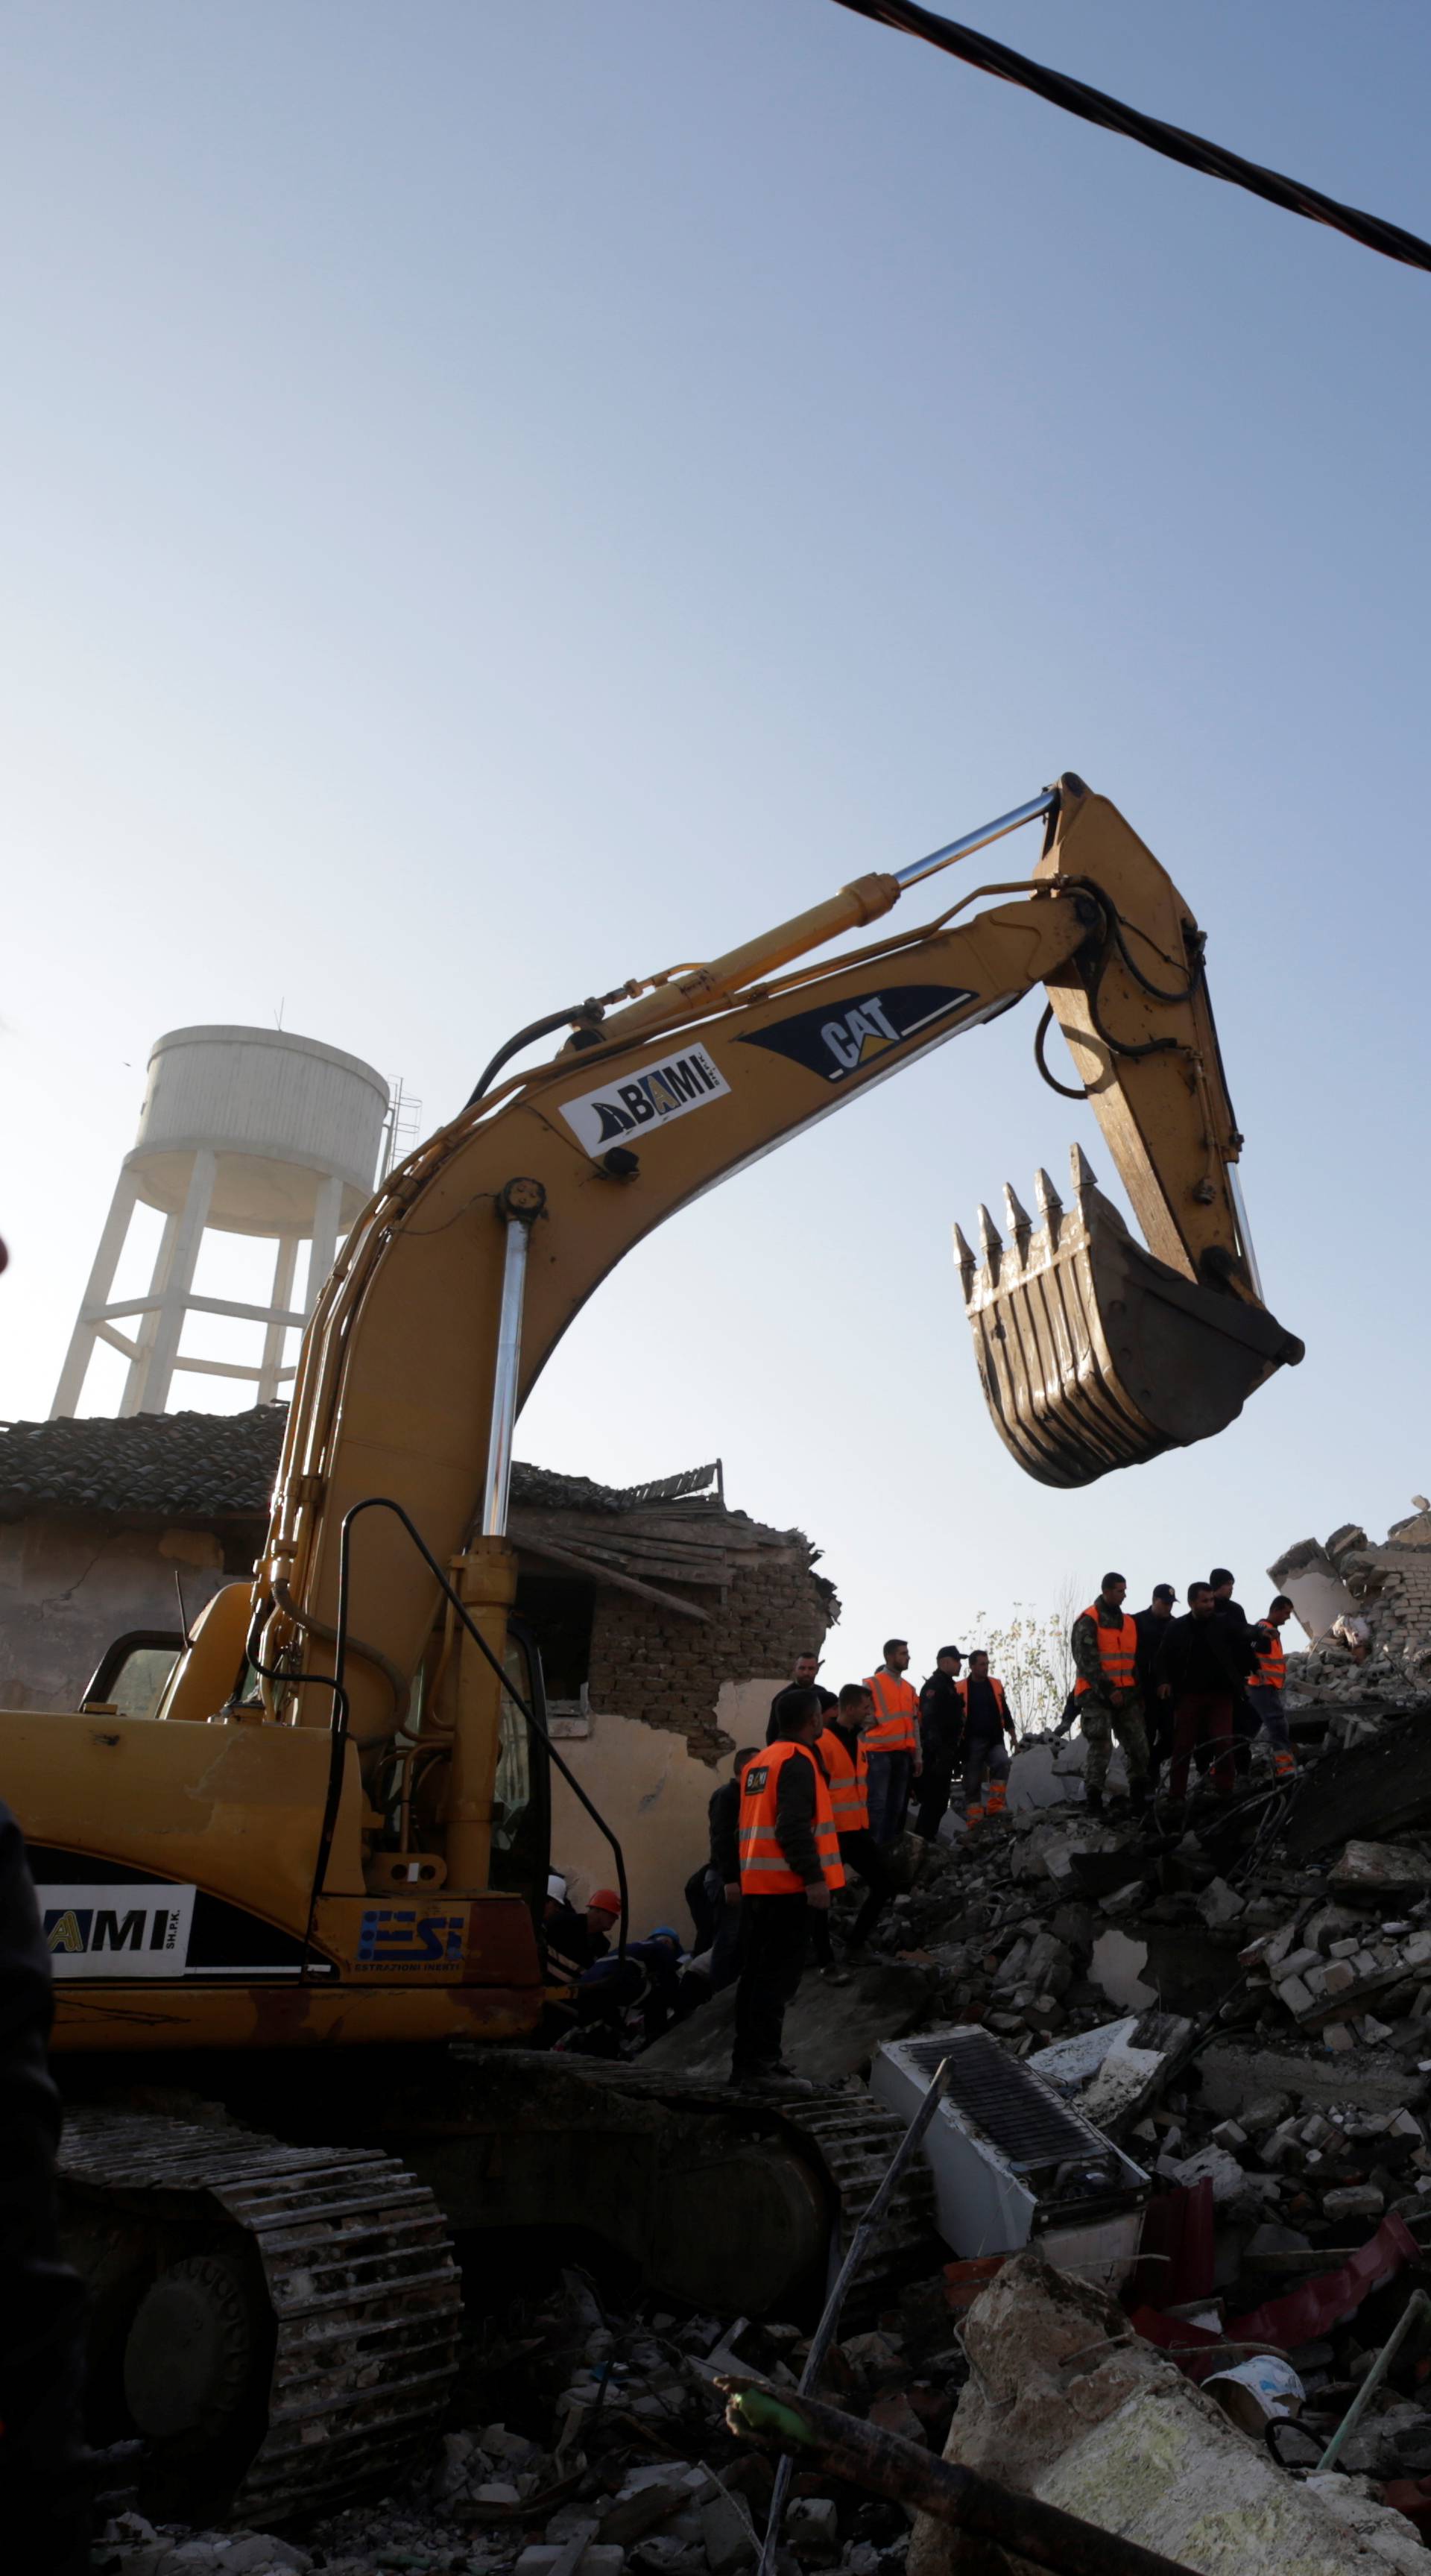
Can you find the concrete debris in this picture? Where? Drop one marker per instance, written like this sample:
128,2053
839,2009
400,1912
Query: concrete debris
1367,1610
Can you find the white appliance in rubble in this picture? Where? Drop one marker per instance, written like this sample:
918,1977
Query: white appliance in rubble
1011,2160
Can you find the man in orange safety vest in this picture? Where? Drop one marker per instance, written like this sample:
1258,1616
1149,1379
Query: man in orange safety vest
986,1723
1267,1688
1105,1657
789,1865
892,1747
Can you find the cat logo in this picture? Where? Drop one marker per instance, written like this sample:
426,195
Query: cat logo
839,1043
651,1098
117,1931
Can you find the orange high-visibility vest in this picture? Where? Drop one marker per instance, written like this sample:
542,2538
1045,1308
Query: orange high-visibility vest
996,1687
896,1727
1117,1653
1272,1664
764,1869
848,1775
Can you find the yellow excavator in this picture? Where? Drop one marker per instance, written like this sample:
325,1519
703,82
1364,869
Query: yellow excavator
307,1888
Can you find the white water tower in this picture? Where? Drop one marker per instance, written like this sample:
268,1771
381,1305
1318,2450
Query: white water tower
251,1131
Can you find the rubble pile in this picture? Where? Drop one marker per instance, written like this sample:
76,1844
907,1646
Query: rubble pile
614,2438
1160,2326
1367,1609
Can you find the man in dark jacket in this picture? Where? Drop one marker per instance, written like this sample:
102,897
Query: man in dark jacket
1244,1716
802,1678
941,1730
1203,1665
1152,1627
43,2508
722,1876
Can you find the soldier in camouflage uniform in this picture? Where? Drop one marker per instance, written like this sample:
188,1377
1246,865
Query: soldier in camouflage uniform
1105,1647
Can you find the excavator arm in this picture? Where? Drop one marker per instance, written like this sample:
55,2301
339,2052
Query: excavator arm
474,1256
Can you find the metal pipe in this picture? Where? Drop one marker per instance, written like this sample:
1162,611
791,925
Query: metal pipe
978,840
1418,2305
884,2465
497,1486
825,2331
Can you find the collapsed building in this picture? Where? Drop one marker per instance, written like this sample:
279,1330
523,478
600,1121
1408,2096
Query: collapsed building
1366,1610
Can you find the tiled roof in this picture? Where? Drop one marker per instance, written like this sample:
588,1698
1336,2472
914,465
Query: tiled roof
214,1465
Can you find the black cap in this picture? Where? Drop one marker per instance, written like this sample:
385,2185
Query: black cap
950,1650
1164,1592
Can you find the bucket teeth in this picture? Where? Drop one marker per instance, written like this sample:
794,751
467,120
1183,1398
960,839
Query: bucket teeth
1017,1218
1093,1354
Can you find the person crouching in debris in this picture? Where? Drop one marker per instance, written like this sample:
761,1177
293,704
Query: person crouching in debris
986,1723
1203,1665
1105,1657
941,1732
1267,1689
789,1866
603,1913
563,1932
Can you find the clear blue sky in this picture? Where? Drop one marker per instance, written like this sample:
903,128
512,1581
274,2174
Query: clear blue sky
500,497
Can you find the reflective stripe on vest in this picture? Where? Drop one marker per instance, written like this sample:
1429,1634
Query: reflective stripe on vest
849,1782
1117,1653
896,1727
995,1685
764,1869
1272,1666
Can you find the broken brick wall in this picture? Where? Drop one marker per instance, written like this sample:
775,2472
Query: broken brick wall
651,1664
1388,1585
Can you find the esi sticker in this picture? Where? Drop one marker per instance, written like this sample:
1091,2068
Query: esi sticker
649,1099
400,1936
841,1042
117,1931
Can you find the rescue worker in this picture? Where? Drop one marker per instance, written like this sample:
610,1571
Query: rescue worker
941,1731
789,1865
1151,1625
563,1932
892,1747
804,1677
603,1909
1204,1663
842,1750
1105,1656
1245,1721
1265,1690
722,1875
986,1723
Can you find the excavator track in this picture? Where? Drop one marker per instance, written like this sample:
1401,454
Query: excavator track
853,2140
359,2275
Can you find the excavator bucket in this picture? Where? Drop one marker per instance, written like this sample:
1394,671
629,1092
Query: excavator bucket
1093,1354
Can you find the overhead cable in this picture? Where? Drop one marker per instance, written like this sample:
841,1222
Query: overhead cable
1194,152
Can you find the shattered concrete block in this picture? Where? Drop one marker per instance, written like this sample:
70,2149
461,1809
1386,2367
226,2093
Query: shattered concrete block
1356,2200
1338,1977
1220,1904
1116,1968
1065,2405
727,2534
1381,1869
1298,1998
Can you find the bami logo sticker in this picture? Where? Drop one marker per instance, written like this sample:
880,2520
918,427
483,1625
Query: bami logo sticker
841,1042
651,1098
117,1931
398,1936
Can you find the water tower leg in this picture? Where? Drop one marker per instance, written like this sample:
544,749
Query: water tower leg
101,1280
148,1322
327,1210
152,1372
272,1360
